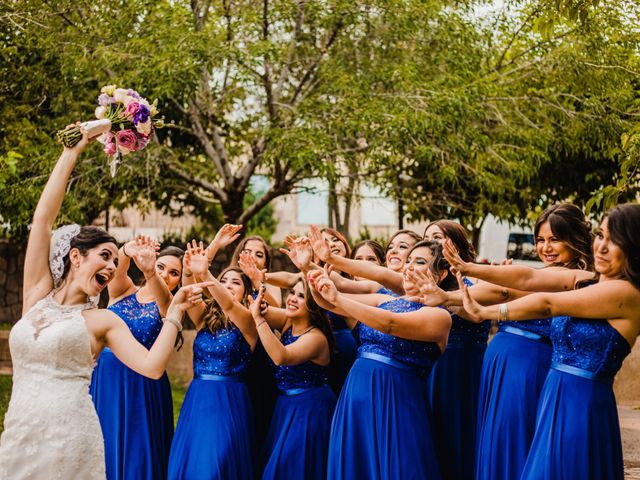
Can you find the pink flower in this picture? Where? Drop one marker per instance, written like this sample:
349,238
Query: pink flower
132,109
110,148
127,141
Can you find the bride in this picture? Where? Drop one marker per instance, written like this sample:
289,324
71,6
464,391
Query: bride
51,429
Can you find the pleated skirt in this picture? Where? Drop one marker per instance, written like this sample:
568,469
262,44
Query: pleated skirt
513,373
577,433
298,438
214,437
453,388
381,429
136,417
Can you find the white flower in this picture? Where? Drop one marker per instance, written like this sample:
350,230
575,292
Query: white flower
144,128
120,95
101,112
108,89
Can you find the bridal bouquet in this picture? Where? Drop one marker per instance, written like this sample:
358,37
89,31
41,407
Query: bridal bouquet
125,120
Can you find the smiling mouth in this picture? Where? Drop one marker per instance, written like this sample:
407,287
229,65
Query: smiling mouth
102,279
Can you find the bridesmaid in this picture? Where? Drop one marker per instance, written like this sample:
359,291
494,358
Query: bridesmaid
381,428
298,438
214,435
454,381
594,328
518,358
260,380
136,412
368,251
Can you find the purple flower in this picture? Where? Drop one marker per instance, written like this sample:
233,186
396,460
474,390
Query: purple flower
142,115
105,100
133,93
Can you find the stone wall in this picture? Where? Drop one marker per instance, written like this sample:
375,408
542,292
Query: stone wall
11,268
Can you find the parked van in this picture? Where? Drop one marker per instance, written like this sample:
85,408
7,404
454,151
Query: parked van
500,240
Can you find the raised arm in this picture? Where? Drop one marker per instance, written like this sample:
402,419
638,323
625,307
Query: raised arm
519,277
37,280
237,313
312,346
617,301
249,267
145,257
117,336
426,324
359,268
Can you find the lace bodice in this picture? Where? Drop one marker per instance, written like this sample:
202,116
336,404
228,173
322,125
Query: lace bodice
51,427
414,353
591,345
225,352
143,319
304,375
540,327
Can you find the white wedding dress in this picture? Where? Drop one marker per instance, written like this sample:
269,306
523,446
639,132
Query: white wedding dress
51,429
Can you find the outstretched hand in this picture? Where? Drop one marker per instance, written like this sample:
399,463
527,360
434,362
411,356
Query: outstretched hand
227,234
144,253
258,307
319,280
300,252
473,311
195,259
429,292
188,297
452,256
249,267
319,244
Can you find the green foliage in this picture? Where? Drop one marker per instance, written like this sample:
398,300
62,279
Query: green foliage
5,394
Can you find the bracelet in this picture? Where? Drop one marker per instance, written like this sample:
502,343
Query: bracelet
190,274
264,321
173,321
503,312
124,251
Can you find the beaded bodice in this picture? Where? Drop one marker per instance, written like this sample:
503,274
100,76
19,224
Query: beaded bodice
386,291
592,345
143,319
304,375
468,333
225,352
540,327
413,353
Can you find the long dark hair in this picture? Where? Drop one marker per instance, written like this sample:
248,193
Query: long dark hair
87,238
458,236
624,230
318,316
569,225
438,264
377,249
239,249
215,318
176,252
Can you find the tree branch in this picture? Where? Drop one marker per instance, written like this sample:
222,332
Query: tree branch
211,150
219,193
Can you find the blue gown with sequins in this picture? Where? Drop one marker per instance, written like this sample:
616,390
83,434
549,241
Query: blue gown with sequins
214,437
298,438
346,351
577,430
454,385
135,412
514,369
381,429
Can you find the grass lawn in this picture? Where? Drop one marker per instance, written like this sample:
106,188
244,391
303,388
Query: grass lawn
178,389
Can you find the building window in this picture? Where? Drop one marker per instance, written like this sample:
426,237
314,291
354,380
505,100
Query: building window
375,208
313,205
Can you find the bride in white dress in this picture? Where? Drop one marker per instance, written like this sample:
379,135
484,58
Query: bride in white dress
51,429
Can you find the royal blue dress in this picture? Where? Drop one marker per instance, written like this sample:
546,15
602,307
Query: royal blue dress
514,369
135,412
381,429
346,351
298,438
214,435
454,384
577,430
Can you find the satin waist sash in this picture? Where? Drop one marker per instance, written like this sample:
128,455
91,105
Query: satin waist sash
217,378
392,362
580,372
526,334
